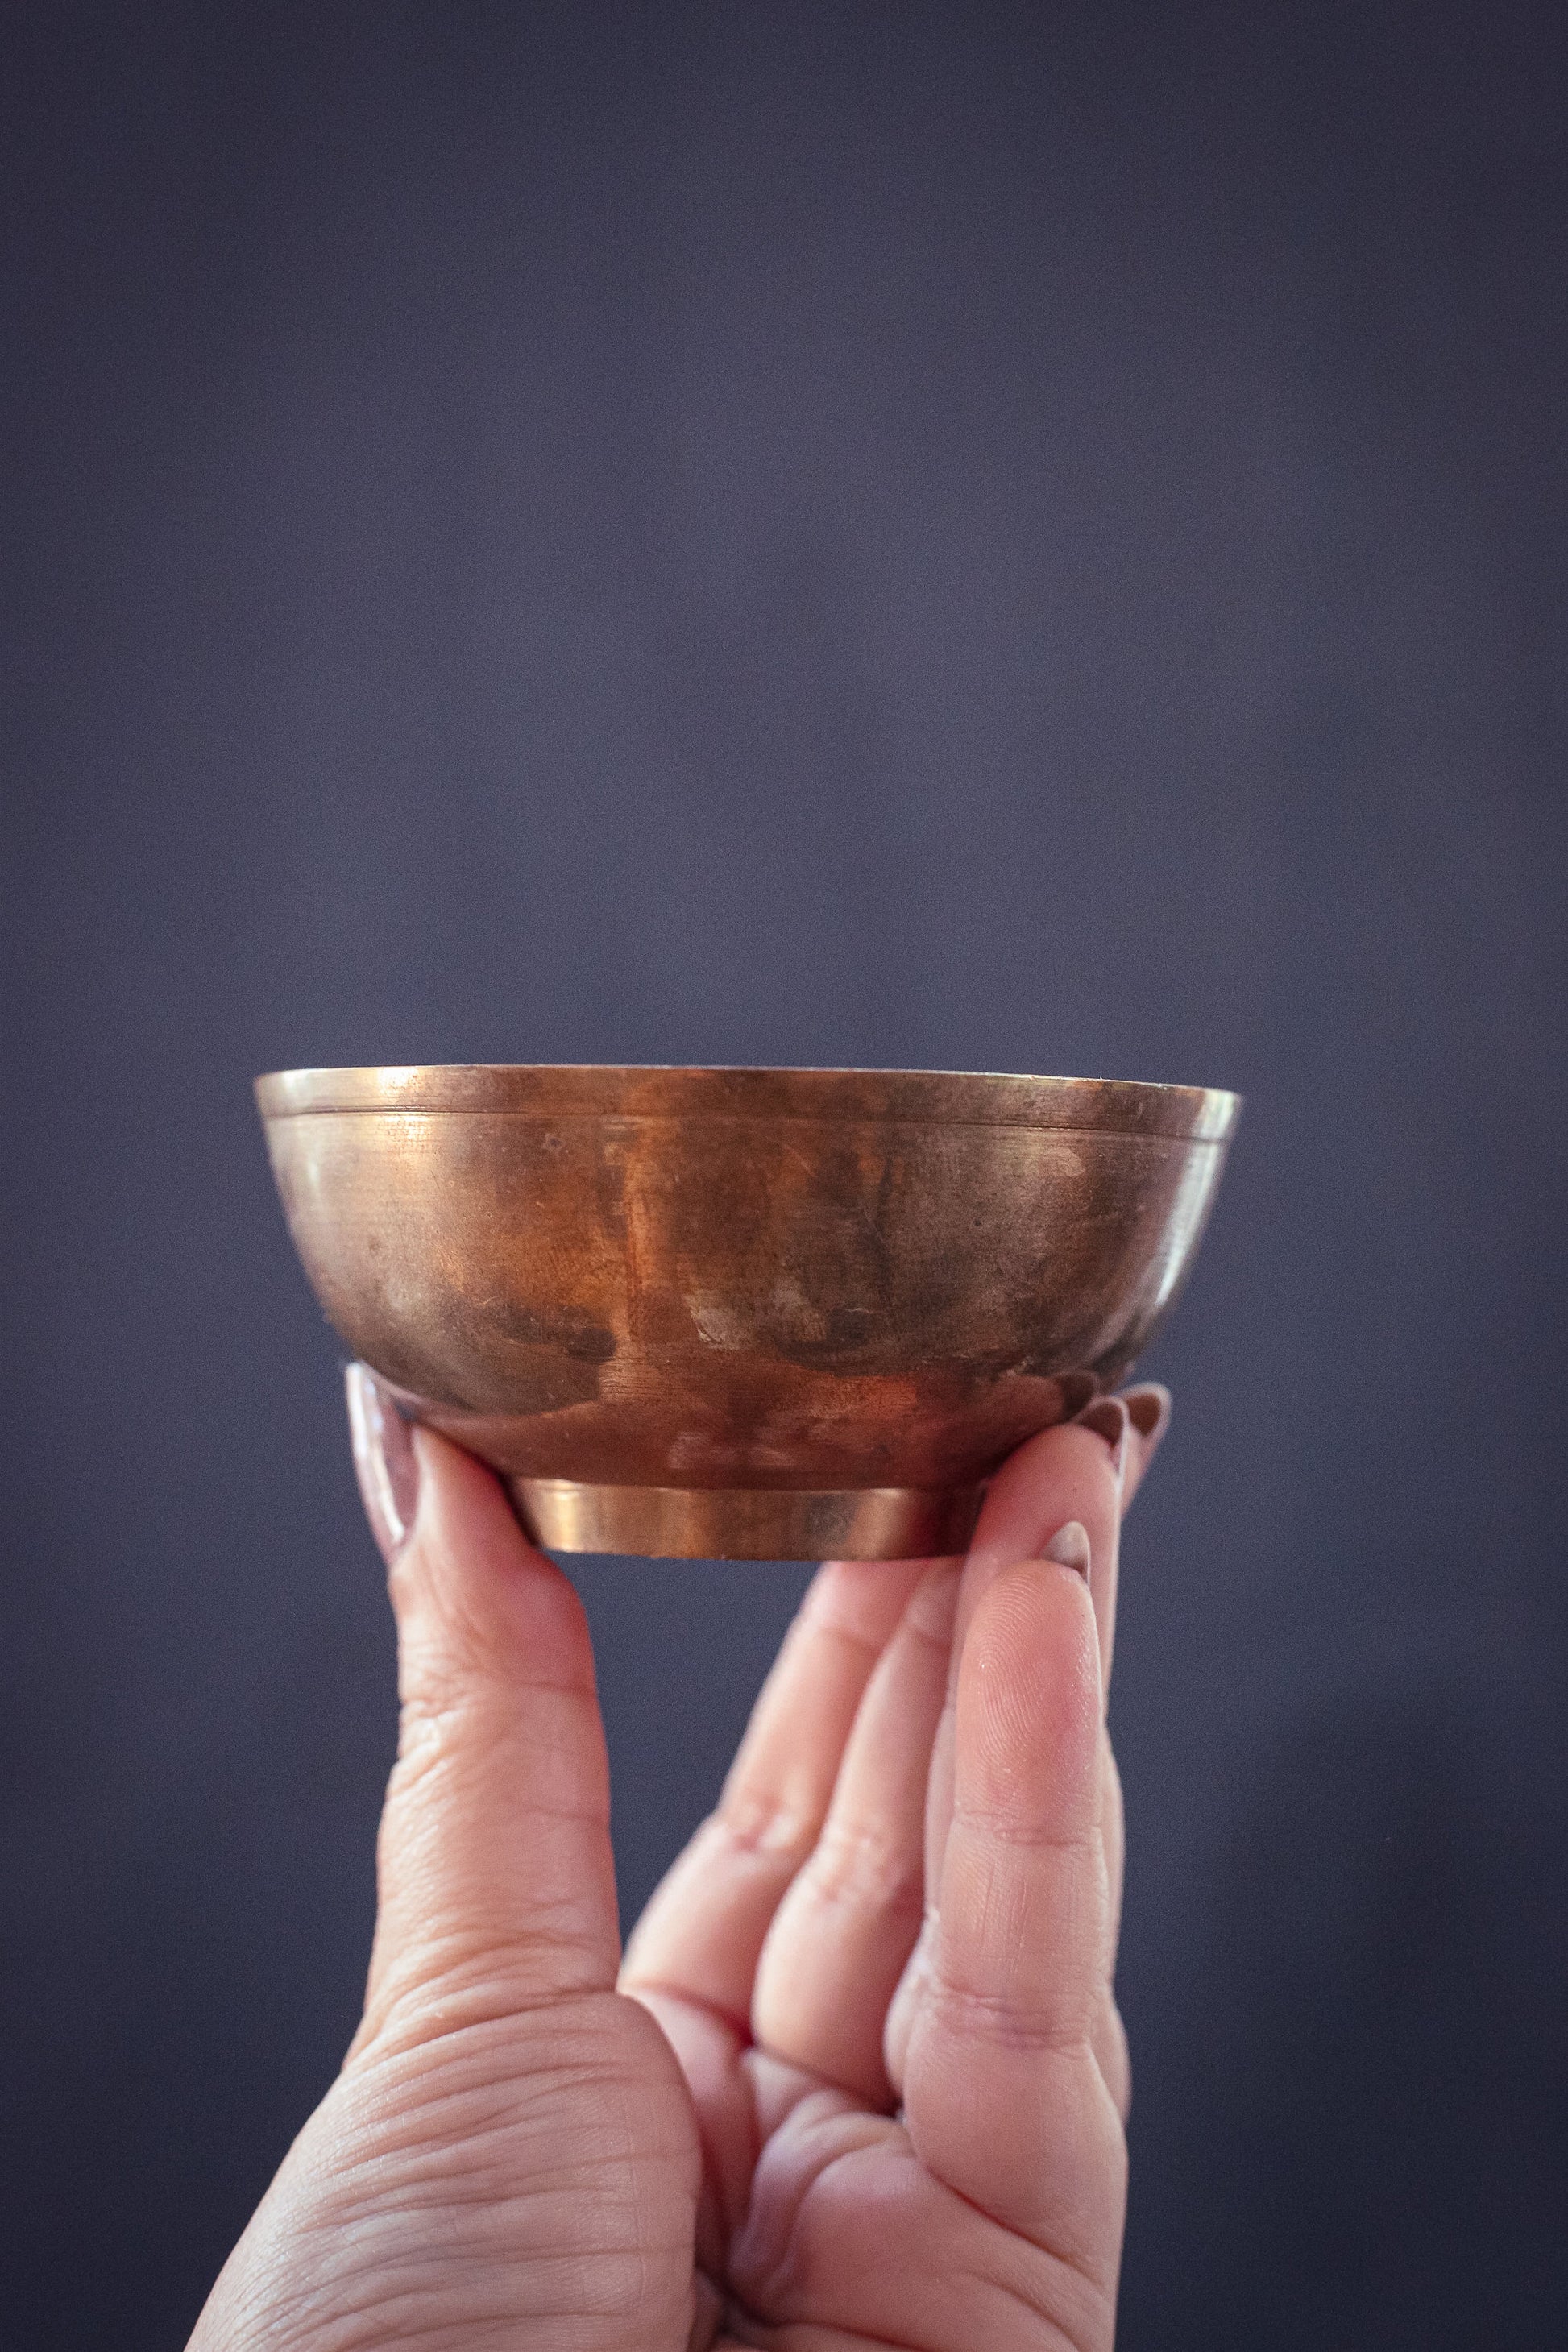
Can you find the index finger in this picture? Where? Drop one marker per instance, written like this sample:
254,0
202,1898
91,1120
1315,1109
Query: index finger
1087,1472
1004,2093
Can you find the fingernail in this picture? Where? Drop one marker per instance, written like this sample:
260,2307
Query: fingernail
1069,1548
1148,1411
1107,1417
385,1461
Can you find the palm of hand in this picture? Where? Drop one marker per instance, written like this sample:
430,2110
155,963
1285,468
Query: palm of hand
862,2085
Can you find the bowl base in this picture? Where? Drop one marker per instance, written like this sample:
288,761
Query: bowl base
747,1522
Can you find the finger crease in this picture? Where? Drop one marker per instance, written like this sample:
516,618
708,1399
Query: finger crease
1058,2027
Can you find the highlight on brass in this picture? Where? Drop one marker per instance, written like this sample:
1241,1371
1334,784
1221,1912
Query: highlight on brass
743,1314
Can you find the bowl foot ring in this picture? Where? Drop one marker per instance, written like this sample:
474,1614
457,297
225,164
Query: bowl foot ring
747,1522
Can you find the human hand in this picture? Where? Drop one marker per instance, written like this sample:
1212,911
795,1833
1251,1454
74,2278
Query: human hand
815,2109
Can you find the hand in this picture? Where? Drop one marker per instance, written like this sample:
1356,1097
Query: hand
859,2082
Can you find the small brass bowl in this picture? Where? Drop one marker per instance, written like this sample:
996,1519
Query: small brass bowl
743,1314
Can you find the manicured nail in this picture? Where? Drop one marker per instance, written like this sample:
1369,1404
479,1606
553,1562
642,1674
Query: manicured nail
1069,1548
385,1461
1148,1411
1107,1417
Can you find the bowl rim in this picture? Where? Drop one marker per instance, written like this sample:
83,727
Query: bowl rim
642,1091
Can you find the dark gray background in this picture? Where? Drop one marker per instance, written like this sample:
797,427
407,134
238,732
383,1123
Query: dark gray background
1015,538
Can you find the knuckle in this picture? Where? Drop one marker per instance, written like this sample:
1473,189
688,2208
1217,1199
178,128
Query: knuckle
855,1863
767,1825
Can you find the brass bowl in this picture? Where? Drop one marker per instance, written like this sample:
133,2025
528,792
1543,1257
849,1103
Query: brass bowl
743,1314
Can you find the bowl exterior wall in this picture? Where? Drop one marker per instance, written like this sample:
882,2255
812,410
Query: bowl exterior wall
721,1297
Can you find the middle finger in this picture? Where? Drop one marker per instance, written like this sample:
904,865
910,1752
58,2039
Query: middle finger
702,1933
843,1931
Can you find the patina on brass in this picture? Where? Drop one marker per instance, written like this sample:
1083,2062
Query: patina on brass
743,1314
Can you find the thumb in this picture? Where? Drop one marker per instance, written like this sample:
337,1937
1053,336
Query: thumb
496,1884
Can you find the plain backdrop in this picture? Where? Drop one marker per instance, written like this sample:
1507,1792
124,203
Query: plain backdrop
1019,538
